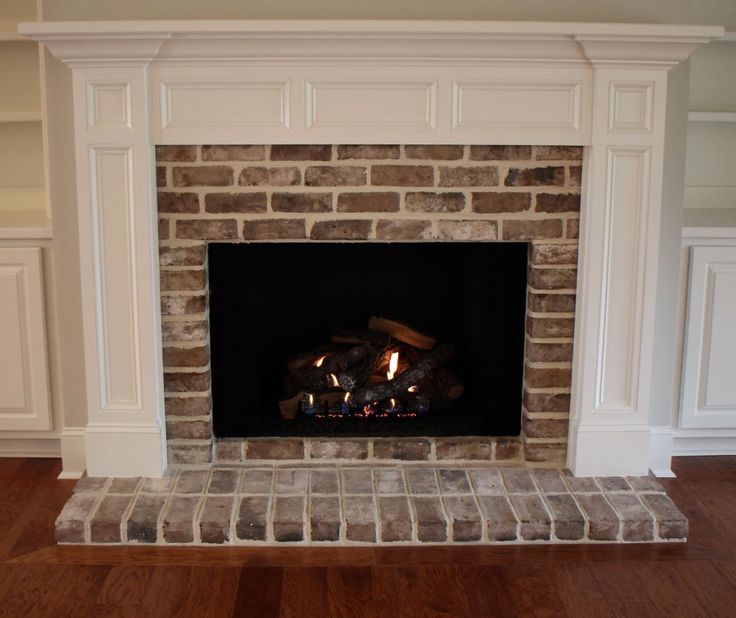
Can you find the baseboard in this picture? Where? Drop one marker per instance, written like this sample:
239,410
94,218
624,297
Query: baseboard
30,447
660,451
611,450
694,442
73,453
125,450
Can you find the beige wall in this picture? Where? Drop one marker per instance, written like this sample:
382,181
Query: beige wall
666,11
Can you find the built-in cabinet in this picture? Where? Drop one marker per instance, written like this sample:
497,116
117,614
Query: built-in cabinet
24,369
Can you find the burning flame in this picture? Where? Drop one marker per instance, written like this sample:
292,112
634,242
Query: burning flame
393,365
320,360
332,379
393,403
311,399
413,389
347,397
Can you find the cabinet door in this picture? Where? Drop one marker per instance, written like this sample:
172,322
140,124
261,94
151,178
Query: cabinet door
24,385
709,367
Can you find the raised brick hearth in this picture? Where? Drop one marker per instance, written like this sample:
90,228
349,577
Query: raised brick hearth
369,193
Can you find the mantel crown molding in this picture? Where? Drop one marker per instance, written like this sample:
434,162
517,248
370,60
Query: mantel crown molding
107,42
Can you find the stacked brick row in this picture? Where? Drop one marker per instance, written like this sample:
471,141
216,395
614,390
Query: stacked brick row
363,504
361,193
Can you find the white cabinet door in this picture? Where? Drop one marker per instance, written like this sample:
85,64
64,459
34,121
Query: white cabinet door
709,367
24,384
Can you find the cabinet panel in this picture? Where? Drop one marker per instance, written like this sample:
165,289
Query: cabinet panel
709,368
24,385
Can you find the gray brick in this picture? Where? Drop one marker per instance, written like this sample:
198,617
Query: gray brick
613,483
291,481
581,484
89,485
357,481
178,522
338,449
123,485
256,482
645,484
396,520
464,448
252,522
214,520
324,482
105,524
487,481
672,524
229,451
69,526
360,519
409,449
464,517
637,522
534,518
569,521
500,519
288,519
324,518
518,481
389,481
550,481
163,485
192,481
274,448
224,482
422,481
430,518
143,521
454,482
603,524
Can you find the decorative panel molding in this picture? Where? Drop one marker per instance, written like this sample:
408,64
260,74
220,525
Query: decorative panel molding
709,367
403,105
216,104
109,105
625,208
116,293
24,386
539,105
631,107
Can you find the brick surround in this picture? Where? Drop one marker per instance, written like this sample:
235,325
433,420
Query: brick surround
368,193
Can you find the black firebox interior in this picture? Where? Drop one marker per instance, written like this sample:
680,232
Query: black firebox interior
270,302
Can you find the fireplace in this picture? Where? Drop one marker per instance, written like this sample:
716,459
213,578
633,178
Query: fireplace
139,84
300,345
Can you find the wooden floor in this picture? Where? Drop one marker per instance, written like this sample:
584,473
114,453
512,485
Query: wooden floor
38,578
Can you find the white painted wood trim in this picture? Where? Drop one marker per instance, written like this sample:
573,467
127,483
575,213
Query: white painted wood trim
73,453
143,83
711,116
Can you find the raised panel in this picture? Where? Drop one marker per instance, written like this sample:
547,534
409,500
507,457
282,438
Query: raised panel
24,395
709,388
630,107
116,290
108,105
626,199
541,105
199,104
371,104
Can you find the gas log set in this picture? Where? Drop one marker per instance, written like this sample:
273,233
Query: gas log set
389,370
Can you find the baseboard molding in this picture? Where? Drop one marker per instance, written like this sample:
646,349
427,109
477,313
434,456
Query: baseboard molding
611,450
125,450
30,447
694,442
73,453
660,451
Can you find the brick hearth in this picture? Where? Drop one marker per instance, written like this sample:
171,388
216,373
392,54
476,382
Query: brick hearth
369,193
368,504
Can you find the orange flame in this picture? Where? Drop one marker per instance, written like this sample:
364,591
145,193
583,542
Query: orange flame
311,399
413,389
393,403
320,360
347,397
393,365
332,379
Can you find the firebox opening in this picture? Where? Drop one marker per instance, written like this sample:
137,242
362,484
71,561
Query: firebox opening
318,339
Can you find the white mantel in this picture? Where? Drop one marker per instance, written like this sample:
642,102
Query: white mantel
603,86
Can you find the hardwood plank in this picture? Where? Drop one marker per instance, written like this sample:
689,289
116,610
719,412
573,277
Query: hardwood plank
350,592
580,592
304,592
533,591
167,592
486,593
125,585
708,584
259,592
212,592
